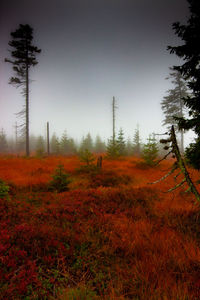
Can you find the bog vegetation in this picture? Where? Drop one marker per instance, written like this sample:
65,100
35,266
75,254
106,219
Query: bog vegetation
85,222
74,232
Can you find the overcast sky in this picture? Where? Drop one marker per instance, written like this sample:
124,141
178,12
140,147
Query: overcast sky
92,50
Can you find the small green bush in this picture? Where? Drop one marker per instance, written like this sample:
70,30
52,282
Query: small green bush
60,180
87,157
150,151
4,189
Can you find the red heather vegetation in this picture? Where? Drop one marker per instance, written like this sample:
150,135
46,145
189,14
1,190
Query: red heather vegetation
111,235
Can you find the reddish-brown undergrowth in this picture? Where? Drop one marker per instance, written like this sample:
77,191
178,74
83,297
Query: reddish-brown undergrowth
112,235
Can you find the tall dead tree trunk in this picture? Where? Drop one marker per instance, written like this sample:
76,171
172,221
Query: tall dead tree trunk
27,109
113,117
48,147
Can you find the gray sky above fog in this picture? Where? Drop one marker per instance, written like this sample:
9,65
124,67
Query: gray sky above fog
92,50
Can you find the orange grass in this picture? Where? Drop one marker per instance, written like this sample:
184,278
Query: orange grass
102,238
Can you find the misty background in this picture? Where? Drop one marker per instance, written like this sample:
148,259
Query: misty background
92,50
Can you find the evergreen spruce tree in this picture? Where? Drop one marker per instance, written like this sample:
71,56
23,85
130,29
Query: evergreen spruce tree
24,56
72,148
60,180
3,142
86,156
55,144
129,147
137,142
99,145
40,146
67,145
173,105
121,144
150,151
112,150
86,143
189,51
64,144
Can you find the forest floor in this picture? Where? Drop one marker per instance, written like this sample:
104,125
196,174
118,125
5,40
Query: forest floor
111,235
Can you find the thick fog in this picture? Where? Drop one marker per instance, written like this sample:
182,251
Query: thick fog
92,51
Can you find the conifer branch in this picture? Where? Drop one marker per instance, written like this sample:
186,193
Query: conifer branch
177,186
166,175
178,164
163,157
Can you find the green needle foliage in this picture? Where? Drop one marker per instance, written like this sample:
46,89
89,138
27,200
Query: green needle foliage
112,150
60,180
150,151
189,52
86,156
23,57
4,189
121,144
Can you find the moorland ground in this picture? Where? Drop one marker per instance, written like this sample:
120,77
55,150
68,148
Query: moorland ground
110,235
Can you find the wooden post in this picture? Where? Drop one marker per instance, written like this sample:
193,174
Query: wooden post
99,162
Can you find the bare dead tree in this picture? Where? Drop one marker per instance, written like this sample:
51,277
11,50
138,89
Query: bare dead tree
48,146
113,118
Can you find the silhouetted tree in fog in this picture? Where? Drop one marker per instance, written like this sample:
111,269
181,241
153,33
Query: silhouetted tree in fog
121,144
55,145
137,142
3,142
64,143
189,51
129,147
40,146
99,145
173,105
24,56
72,148
112,149
67,145
86,143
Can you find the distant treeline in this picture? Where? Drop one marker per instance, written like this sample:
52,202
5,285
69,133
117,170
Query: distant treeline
66,145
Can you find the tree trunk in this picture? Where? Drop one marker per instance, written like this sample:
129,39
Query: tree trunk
182,141
27,110
181,112
113,113
48,148
182,165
